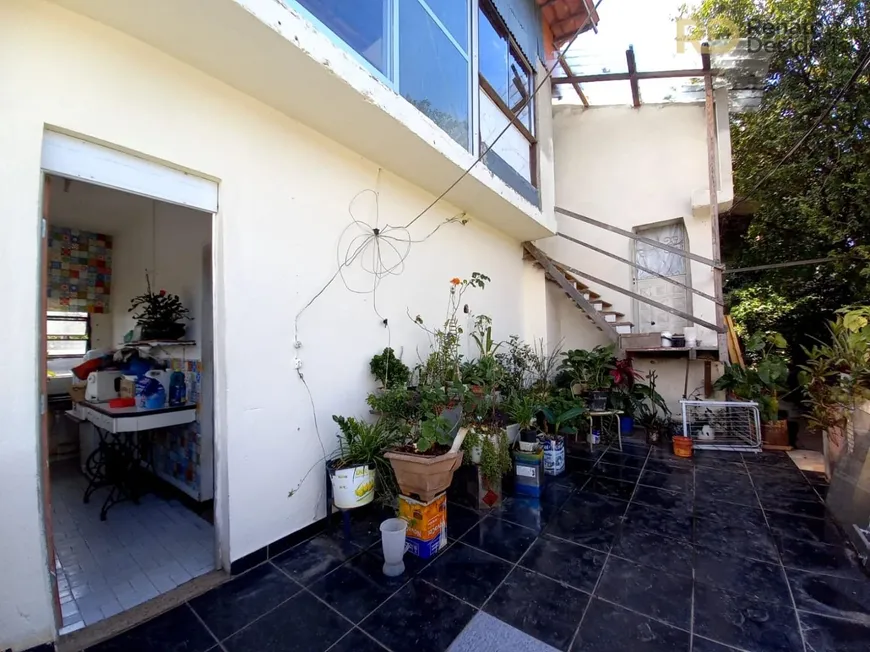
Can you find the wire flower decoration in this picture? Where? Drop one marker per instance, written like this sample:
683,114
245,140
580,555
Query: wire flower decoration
369,251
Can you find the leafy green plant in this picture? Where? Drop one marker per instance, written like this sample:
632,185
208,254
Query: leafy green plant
590,369
517,362
363,443
495,457
433,430
157,312
763,380
836,377
389,370
442,365
523,409
563,413
650,408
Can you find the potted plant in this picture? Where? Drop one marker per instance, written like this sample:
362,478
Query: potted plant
836,380
762,381
590,373
389,370
429,439
650,408
159,314
360,462
560,412
625,395
523,410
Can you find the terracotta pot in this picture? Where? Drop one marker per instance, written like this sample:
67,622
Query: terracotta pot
682,446
423,476
775,433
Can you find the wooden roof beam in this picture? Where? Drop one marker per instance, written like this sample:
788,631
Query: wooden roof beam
624,76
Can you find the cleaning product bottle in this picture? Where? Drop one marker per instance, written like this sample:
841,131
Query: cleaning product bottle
177,389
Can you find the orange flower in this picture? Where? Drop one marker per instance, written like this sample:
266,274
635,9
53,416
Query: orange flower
455,281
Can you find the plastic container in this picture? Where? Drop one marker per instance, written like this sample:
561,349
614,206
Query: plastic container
626,424
177,389
682,446
352,486
554,455
529,472
393,532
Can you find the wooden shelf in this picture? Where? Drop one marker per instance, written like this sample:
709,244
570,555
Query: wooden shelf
159,343
674,352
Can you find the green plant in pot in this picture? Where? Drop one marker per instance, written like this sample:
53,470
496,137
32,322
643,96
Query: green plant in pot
360,463
562,414
159,315
389,370
650,408
762,381
523,410
836,380
590,373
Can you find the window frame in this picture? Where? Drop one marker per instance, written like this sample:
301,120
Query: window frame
69,317
514,53
390,77
469,56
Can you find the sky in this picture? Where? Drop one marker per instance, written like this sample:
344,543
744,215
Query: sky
648,25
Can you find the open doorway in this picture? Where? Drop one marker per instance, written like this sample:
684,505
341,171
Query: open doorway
130,441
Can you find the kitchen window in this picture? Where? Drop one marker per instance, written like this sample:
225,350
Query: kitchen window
507,83
421,48
68,334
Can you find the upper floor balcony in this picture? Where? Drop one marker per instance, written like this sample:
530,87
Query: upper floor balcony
423,88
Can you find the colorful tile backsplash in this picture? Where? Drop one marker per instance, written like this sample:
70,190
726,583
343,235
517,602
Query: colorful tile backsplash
79,270
177,451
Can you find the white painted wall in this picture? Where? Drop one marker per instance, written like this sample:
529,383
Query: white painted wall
162,238
630,168
284,197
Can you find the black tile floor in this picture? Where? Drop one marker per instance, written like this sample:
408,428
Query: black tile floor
636,551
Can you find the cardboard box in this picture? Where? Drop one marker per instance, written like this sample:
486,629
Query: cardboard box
426,549
127,388
77,392
426,521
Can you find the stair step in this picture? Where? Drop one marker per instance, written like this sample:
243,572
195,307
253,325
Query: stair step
623,329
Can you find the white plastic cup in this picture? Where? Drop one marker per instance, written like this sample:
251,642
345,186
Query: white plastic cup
393,532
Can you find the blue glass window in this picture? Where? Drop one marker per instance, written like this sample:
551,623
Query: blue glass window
363,24
433,72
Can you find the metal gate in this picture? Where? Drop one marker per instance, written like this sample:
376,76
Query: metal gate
722,425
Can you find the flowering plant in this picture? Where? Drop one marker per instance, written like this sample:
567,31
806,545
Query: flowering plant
158,313
442,365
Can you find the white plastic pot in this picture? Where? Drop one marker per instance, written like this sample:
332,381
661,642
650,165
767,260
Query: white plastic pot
393,532
353,486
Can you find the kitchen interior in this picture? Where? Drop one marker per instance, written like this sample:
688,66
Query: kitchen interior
130,428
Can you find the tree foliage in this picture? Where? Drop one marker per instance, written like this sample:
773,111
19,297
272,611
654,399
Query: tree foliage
818,203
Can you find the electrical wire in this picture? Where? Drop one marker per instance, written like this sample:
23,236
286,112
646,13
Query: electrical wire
394,240
843,90
380,251
520,107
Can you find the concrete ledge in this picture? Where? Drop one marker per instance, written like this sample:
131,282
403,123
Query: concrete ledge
273,54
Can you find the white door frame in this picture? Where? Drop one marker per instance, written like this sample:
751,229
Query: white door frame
77,157
690,306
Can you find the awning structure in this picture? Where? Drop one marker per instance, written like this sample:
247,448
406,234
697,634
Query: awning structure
566,18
